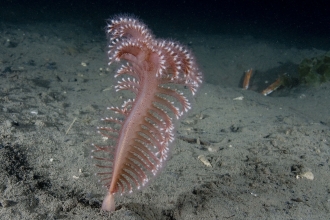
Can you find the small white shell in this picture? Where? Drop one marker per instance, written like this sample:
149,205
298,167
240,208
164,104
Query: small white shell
204,160
212,149
308,175
34,112
239,98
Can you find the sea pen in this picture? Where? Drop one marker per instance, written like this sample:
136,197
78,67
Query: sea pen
139,139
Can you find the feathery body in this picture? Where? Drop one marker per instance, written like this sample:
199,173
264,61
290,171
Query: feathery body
141,138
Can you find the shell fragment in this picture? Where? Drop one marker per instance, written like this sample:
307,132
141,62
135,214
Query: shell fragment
308,175
205,161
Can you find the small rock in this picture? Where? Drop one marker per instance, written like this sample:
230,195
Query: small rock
7,203
8,123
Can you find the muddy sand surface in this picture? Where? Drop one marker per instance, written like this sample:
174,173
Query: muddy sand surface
268,155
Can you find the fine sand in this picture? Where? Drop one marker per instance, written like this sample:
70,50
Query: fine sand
55,86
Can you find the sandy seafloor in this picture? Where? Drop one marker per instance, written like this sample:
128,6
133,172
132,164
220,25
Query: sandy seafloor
258,147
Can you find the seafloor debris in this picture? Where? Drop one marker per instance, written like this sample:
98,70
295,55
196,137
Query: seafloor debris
308,175
204,160
239,98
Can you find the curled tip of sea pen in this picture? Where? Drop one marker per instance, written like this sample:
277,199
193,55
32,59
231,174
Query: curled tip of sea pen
109,203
